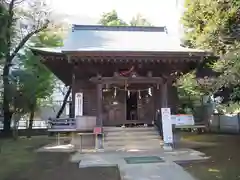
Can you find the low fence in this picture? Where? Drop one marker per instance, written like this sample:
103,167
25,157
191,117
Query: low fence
23,124
229,123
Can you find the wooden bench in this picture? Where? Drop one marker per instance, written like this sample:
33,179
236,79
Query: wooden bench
61,125
199,128
68,125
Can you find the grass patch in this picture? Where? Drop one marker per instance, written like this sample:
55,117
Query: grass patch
16,156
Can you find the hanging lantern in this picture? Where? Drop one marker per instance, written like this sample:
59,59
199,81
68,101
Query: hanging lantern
128,93
115,92
150,91
139,94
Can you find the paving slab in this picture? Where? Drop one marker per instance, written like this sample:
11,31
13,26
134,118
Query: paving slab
175,155
167,170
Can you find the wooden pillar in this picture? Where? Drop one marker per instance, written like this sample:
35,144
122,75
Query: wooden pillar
164,95
72,115
157,97
99,105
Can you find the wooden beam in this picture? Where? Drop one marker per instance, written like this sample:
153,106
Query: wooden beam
138,53
143,59
115,80
99,105
72,115
164,95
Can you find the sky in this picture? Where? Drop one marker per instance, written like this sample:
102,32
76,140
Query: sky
158,12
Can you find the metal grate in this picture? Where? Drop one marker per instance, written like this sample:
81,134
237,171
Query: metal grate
144,159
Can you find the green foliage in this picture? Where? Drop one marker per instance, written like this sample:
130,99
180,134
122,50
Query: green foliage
139,20
214,25
190,92
34,81
235,95
50,37
188,86
3,23
24,19
112,19
229,68
231,108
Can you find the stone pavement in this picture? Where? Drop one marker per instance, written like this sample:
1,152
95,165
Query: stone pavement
167,170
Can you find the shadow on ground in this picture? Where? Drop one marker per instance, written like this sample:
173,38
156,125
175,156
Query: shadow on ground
224,151
50,166
20,161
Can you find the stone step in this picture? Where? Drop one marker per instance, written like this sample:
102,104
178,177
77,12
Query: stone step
133,133
131,137
128,129
148,142
120,138
133,147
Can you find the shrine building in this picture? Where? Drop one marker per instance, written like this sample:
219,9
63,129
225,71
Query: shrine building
124,74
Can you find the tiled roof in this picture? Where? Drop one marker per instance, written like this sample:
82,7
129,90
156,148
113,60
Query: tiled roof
120,38
76,27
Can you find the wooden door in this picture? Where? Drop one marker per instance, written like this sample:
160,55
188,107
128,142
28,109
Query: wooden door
146,108
114,108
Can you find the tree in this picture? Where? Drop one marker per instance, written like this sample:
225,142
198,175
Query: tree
139,20
37,80
112,19
214,25
21,24
18,103
3,22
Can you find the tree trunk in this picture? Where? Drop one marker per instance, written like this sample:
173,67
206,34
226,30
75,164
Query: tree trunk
64,102
16,118
30,125
6,102
6,69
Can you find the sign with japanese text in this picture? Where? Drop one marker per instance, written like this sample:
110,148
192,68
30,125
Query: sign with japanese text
167,125
78,104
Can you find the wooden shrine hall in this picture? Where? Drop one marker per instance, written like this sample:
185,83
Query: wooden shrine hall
125,74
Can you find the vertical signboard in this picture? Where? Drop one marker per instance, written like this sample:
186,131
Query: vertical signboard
78,104
167,126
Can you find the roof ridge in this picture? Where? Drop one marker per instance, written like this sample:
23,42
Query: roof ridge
120,28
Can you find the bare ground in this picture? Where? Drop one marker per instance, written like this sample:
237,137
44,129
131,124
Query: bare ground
224,163
50,166
19,161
